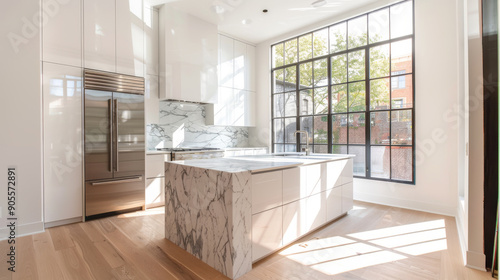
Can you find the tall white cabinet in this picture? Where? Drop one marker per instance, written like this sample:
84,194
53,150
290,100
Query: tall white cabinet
130,37
63,176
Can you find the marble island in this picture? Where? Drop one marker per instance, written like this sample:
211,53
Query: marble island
231,212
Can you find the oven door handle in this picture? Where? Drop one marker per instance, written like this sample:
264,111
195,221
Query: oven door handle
128,180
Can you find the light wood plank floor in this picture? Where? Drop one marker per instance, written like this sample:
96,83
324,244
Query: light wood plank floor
372,242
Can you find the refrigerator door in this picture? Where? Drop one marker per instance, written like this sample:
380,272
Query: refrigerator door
98,123
129,142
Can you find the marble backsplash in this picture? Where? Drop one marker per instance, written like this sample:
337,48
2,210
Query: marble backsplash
183,125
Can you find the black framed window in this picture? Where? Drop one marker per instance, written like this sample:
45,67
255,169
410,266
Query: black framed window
351,86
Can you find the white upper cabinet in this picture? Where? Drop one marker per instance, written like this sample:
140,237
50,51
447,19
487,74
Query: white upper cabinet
188,57
62,110
239,67
151,40
129,37
99,34
250,68
226,63
62,33
151,101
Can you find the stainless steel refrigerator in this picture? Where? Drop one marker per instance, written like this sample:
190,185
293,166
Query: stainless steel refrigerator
114,142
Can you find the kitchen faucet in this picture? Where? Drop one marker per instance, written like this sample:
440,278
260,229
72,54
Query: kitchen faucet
308,152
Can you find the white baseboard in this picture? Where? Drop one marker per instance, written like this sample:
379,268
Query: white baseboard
63,222
22,230
406,204
476,260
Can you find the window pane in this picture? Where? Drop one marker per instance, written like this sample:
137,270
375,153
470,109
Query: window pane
379,26
321,100
321,129
357,32
356,66
320,149
380,162
279,148
357,100
290,148
401,127
401,56
338,38
379,61
339,129
306,123
402,92
320,42
320,72
277,55
305,47
339,149
339,99
401,19
379,94
401,163
278,81
379,127
279,135
339,69
290,128
290,78
279,105
306,102
305,75
290,104
359,168
291,51
357,128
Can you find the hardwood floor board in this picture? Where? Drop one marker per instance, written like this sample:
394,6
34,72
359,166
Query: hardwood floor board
61,238
26,254
47,264
179,271
73,265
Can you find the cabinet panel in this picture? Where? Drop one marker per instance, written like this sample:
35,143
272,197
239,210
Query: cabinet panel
239,66
334,170
226,62
347,197
333,203
266,232
155,192
62,33
294,221
250,68
151,100
129,37
292,187
62,109
315,211
234,108
347,171
266,191
151,31
99,34
155,165
314,183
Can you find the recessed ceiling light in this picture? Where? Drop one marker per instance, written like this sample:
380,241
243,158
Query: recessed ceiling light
218,9
318,3
265,11
246,21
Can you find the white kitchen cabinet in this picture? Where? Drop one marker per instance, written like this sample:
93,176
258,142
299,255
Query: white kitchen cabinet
188,57
250,68
62,126
234,108
292,188
226,62
294,221
314,178
99,35
130,37
155,179
334,170
315,211
333,203
267,232
62,32
266,190
151,40
151,100
347,197
239,67
346,174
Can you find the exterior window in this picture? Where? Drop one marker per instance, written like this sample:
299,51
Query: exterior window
350,85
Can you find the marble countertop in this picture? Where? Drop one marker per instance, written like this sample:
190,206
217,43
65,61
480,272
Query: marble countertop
259,163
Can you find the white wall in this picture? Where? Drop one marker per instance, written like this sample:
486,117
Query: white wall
20,113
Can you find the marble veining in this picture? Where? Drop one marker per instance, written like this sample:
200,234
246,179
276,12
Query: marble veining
208,213
183,125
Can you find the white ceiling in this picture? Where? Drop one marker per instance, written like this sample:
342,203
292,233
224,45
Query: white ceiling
282,16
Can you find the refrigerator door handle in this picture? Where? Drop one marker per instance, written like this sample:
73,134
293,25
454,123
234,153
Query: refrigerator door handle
110,141
116,134
128,180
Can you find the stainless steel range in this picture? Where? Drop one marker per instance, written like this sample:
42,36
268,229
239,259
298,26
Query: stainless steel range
193,153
